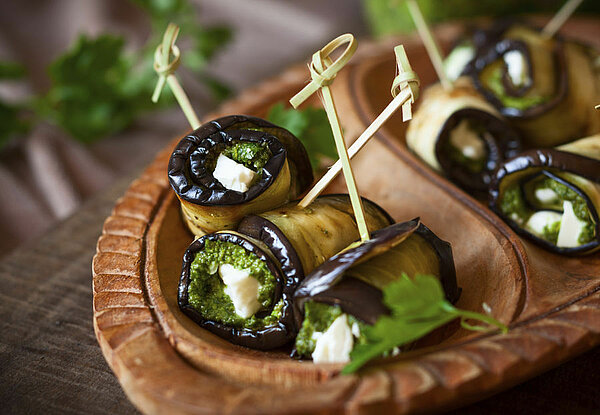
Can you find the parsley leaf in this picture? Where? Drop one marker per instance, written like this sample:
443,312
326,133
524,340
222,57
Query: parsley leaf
12,120
312,128
91,96
99,89
417,307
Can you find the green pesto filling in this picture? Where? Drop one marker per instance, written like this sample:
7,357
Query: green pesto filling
495,85
206,290
513,202
251,154
317,318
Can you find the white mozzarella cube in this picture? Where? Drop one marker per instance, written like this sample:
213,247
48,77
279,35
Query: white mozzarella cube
546,195
467,141
335,344
233,175
516,66
570,228
242,288
540,220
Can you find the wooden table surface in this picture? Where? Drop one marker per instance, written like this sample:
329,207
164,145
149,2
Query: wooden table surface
51,363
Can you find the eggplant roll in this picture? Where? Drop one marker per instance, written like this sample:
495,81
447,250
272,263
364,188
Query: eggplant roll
234,166
239,285
344,294
547,88
460,134
552,196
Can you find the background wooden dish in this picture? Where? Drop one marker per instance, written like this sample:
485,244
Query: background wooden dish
167,363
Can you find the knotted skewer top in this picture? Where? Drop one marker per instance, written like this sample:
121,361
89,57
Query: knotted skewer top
165,67
322,69
405,78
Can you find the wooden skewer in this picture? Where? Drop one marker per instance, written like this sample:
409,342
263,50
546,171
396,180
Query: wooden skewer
432,48
560,18
166,71
405,90
323,71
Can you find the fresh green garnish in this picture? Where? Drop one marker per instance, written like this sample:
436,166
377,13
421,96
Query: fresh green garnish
98,88
312,128
417,307
91,96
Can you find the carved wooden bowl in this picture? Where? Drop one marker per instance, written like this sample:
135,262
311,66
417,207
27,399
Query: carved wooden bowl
166,363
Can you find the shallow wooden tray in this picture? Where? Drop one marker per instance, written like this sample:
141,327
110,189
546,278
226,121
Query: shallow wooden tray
166,363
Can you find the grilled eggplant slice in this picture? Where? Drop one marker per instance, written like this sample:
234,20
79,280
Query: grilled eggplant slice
275,249
350,284
545,87
273,169
552,196
460,134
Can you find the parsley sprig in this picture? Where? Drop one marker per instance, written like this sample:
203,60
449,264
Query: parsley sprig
418,307
312,128
99,88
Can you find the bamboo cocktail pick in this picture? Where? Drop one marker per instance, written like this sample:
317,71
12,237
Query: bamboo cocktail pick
166,70
405,90
432,48
560,18
323,71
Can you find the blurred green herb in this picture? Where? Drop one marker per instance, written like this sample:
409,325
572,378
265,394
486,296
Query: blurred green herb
98,88
391,16
417,307
311,127
11,70
12,120
94,92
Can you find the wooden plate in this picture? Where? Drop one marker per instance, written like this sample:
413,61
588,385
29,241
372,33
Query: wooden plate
166,363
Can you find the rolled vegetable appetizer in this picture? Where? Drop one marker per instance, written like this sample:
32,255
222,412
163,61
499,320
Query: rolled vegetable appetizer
552,196
234,166
239,285
461,135
546,87
335,302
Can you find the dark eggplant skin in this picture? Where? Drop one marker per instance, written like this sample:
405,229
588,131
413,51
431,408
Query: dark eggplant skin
327,284
264,339
192,182
282,248
206,205
506,144
546,161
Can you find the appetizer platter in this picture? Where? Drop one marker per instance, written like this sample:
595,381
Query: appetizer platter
188,241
